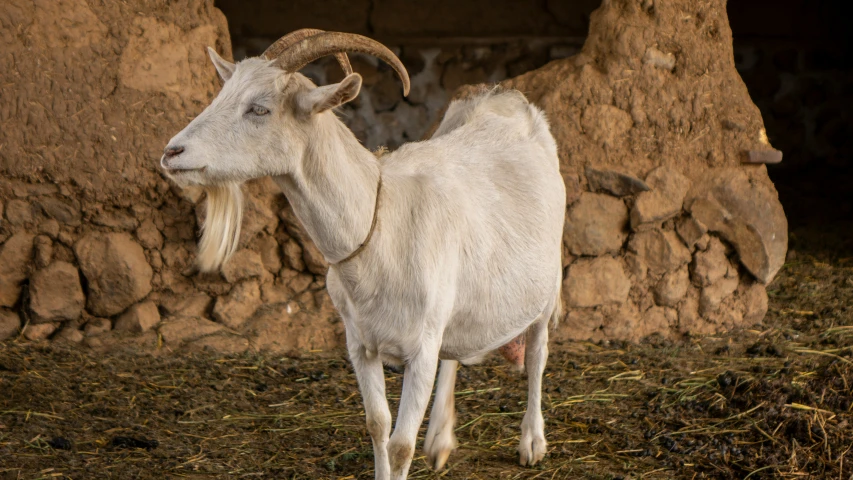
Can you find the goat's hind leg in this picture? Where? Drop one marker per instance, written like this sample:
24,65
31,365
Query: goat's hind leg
533,446
440,437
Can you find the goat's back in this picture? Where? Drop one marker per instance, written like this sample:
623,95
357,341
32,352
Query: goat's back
496,104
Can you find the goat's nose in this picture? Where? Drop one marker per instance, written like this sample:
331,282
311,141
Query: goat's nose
173,151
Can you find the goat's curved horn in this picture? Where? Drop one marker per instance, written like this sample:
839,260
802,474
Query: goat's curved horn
311,48
282,44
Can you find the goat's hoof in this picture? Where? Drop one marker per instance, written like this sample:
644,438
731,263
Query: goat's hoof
439,460
531,452
438,448
533,447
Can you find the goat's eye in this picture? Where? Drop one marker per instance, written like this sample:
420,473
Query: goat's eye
259,110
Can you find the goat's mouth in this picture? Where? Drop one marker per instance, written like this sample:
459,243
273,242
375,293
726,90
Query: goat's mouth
181,171
185,176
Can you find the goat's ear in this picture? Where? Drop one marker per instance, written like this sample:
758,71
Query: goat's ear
327,97
224,67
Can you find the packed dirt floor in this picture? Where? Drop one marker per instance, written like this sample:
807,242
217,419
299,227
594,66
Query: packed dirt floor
772,401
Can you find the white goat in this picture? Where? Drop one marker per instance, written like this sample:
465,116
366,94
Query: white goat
444,249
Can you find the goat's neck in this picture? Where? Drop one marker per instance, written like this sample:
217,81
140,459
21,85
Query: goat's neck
333,189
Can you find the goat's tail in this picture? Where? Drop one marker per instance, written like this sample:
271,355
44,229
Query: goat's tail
221,228
557,313
540,132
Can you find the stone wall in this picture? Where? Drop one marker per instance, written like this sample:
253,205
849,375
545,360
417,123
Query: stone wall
649,247
673,226
95,245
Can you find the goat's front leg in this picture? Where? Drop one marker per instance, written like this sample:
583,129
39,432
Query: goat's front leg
417,386
371,382
532,447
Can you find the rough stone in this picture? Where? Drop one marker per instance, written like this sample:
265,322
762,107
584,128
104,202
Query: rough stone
637,268
175,256
713,295
66,212
56,293
148,235
726,318
459,73
181,329
614,183
10,323
755,302
43,247
97,326
307,300
194,305
115,219
139,318
121,341
672,287
596,224
15,255
688,315
580,324
235,308
659,250
19,212
70,333
690,230
711,265
748,215
293,254
277,292
39,331
622,322
49,227
243,264
568,258
763,156
573,187
311,258
258,214
269,251
117,272
274,330
386,93
597,281
300,283
656,320
663,201
223,343
703,242
314,260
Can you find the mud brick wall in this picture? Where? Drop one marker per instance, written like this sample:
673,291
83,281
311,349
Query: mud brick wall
667,231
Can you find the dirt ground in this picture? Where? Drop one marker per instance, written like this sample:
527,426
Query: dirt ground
773,401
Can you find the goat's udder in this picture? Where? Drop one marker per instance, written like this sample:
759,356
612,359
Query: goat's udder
513,351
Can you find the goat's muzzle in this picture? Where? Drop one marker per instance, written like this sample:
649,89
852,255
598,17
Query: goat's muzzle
170,152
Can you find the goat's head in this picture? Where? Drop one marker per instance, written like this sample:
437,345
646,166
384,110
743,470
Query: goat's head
260,125
266,109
